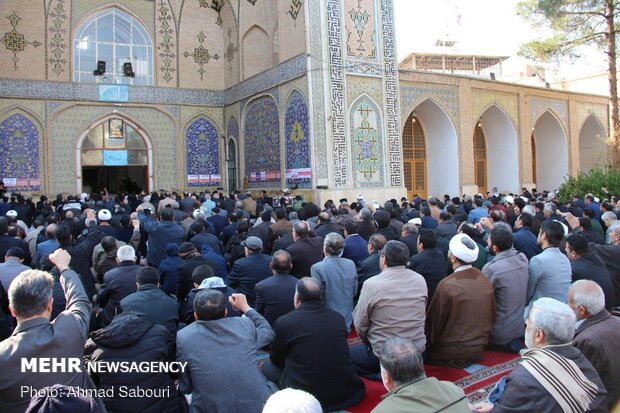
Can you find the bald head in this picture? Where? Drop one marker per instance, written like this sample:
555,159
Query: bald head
308,289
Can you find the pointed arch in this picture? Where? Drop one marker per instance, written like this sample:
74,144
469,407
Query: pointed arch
551,145
232,153
441,149
366,142
136,140
501,147
202,152
261,143
21,145
593,150
297,138
256,52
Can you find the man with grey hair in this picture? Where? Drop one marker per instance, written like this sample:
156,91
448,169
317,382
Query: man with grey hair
36,337
550,210
306,250
118,282
553,376
338,277
365,225
402,373
611,221
597,334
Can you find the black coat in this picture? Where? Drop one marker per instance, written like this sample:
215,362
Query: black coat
7,242
305,252
411,241
591,267
187,310
247,272
261,231
365,229
389,233
219,222
610,254
185,283
329,227
117,283
209,239
151,302
311,347
131,338
81,254
431,263
274,296
367,268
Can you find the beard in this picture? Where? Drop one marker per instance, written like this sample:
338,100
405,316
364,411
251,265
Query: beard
529,340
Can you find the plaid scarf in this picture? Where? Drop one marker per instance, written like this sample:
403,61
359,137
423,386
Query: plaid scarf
561,377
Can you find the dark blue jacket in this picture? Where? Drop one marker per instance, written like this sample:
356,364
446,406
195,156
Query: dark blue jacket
526,242
247,272
160,235
431,263
187,311
275,296
207,239
217,259
219,222
168,269
355,248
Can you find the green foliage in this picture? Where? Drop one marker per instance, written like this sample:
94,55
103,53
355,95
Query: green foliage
590,182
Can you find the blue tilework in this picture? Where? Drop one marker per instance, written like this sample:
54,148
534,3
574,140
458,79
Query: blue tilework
297,139
202,152
19,146
262,143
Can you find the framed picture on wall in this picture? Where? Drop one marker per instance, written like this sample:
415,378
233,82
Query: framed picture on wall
117,127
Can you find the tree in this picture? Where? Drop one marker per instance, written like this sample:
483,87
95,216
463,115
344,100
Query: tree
574,25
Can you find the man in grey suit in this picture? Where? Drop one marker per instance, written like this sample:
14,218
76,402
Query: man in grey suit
222,374
36,338
338,277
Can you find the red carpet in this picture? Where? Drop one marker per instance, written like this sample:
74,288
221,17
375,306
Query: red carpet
476,385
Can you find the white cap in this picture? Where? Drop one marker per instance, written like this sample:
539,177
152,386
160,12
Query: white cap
464,248
11,213
509,199
360,197
596,199
104,215
415,221
563,226
197,213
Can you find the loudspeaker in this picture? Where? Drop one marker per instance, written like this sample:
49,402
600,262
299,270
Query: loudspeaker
128,69
100,68
492,76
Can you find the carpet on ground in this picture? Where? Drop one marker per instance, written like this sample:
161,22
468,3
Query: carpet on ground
476,380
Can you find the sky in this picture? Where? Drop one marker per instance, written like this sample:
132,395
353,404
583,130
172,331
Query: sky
481,26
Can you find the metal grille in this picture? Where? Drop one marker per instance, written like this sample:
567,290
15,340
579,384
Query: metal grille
480,159
420,176
408,174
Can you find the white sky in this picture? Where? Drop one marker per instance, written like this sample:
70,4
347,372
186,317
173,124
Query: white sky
486,26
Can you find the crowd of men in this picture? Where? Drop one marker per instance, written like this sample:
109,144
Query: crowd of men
210,280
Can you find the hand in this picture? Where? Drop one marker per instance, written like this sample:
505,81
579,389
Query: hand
482,407
486,222
572,220
61,259
239,302
604,189
139,208
90,214
135,223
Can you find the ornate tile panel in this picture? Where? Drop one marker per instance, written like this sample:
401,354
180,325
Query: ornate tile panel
261,143
508,102
21,148
336,64
395,161
58,40
232,130
202,154
317,102
297,137
166,30
361,29
558,107
14,41
412,94
358,85
366,143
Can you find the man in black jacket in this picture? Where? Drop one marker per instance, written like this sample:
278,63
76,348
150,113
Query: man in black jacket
193,259
429,261
306,251
252,269
274,295
369,266
587,265
310,351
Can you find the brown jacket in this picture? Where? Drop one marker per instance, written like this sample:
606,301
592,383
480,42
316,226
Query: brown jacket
460,318
249,205
276,230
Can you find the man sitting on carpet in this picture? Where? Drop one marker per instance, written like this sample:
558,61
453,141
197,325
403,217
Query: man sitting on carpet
391,304
402,372
553,375
597,334
311,353
461,314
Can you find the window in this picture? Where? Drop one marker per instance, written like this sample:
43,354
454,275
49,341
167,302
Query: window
115,37
114,143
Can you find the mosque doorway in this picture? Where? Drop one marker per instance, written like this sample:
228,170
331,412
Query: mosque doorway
550,152
116,155
592,145
430,152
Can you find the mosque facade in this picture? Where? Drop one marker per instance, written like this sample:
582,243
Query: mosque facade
265,94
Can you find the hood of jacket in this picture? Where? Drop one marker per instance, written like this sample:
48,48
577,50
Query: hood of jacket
125,330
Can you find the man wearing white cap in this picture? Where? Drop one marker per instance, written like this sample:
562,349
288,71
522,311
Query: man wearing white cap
104,226
462,312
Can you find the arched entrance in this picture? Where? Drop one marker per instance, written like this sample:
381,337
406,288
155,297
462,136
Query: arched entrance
551,151
429,138
496,152
232,165
114,154
592,147
480,159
